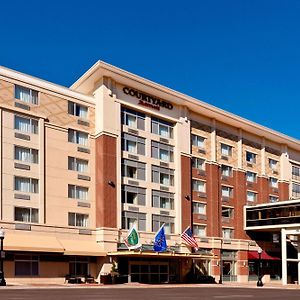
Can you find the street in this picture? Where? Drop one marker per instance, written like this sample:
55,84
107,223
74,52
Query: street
145,293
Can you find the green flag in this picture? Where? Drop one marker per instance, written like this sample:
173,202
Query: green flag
132,240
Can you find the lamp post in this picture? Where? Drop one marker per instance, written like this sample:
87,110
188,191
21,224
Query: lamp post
2,279
221,263
259,281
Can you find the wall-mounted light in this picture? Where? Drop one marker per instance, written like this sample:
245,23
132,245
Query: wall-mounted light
111,183
187,197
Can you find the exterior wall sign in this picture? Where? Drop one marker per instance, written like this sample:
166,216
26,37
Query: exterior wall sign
147,100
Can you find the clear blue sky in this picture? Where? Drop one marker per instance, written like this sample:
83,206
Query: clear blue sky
239,55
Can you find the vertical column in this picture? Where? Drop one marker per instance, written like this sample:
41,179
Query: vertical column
1,162
240,150
283,256
263,156
106,181
298,257
42,181
213,141
285,171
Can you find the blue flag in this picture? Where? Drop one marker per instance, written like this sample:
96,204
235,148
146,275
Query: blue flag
160,243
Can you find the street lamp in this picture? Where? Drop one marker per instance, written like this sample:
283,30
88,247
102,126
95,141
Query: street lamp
2,279
259,281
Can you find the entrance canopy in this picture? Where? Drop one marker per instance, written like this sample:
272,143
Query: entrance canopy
253,255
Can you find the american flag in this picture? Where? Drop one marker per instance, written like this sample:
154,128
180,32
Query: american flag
188,237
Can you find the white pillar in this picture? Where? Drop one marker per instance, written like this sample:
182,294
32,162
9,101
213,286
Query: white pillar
284,257
240,150
213,144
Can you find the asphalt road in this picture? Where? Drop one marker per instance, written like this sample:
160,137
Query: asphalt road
203,293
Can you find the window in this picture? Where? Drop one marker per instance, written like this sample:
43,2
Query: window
78,220
77,164
198,141
227,212
163,176
198,186
25,94
26,214
26,125
162,128
26,265
162,151
273,164
133,119
198,163
26,185
295,172
273,182
199,230
130,218
251,177
78,110
250,157
79,266
133,195
158,221
251,196
226,150
78,137
273,199
133,169
227,192
295,190
227,233
162,200
26,154
133,144
226,171
77,192
199,208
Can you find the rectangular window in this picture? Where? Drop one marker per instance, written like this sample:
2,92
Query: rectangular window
250,157
26,125
295,190
28,155
158,221
27,95
251,177
133,169
227,192
26,265
133,119
199,208
198,186
226,171
227,233
198,141
199,230
251,196
26,214
162,200
198,163
78,137
26,185
273,164
79,266
133,144
78,110
163,176
273,199
133,195
78,164
295,172
162,151
226,150
162,128
273,182
78,192
133,218
78,220
227,212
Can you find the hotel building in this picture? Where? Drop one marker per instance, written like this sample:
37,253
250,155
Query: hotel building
81,165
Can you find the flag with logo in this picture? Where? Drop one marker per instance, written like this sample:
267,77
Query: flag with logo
188,237
132,241
160,243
